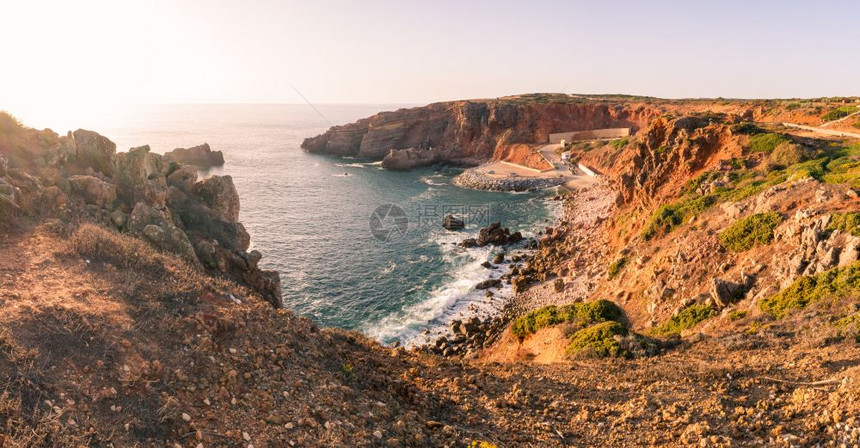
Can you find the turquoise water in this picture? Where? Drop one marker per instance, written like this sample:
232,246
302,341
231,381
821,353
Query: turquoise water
310,216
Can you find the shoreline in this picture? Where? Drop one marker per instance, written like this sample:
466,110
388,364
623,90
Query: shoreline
473,179
471,330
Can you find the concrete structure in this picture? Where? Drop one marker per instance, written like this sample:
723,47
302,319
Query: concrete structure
587,170
592,134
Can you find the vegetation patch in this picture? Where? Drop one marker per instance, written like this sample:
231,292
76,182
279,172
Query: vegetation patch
839,112
846,222
616,267
687,318
737,315
620,143
746,127
599,339
745,233
766,142
580,313
839,282
848,327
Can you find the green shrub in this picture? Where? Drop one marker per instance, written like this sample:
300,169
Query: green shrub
737,315
839,112
620,143
786,154
766,142
616,267
746,127
838,282
745,233
846,222
580,313
687,318
598,339
848,327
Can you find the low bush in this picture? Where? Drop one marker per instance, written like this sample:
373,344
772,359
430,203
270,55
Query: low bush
766,142
839,282
580,313
839,112
745,233
616,267
97,243
846,222
687,318
746,127
737,315
785,155
620,143
599,339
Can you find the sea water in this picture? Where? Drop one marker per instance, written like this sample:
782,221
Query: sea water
394,276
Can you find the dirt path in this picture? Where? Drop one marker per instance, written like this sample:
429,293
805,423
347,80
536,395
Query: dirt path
823,131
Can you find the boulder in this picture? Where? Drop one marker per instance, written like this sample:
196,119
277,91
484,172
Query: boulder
93,190
725,292
138,177
95,150
183,178
219,194
173,240
452,223
469,242
499,258
496,235
144,215
201,156
489,283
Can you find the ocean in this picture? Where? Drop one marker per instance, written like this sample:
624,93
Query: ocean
357,247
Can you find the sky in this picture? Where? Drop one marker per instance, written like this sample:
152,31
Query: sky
91,56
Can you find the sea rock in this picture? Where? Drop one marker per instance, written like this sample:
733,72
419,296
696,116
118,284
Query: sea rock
499,258
95,150
201,156
490,283
469,242
450,222
93,190
409,158
220,195
496,235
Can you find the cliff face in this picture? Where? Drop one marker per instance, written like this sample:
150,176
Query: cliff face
466,132
81,178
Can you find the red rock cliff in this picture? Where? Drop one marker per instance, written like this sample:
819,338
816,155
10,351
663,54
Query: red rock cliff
467,132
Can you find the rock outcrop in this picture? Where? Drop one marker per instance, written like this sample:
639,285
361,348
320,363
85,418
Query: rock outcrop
465,132
145,194
200,156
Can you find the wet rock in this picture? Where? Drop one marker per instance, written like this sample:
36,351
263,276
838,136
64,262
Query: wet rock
452,223
490,283
499,258
468,243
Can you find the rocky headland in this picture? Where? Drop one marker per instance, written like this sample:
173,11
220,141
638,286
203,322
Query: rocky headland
201,156
704,293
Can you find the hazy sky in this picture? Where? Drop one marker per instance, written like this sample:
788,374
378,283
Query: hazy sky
65,55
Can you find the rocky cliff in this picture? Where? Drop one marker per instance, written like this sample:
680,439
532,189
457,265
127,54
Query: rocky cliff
466,132
81,177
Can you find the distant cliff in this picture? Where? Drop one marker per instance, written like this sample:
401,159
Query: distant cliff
467,132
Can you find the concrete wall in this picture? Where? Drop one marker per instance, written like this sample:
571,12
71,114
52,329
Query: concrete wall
592,134
587,170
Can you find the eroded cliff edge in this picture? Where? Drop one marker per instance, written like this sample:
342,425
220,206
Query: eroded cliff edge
468,132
